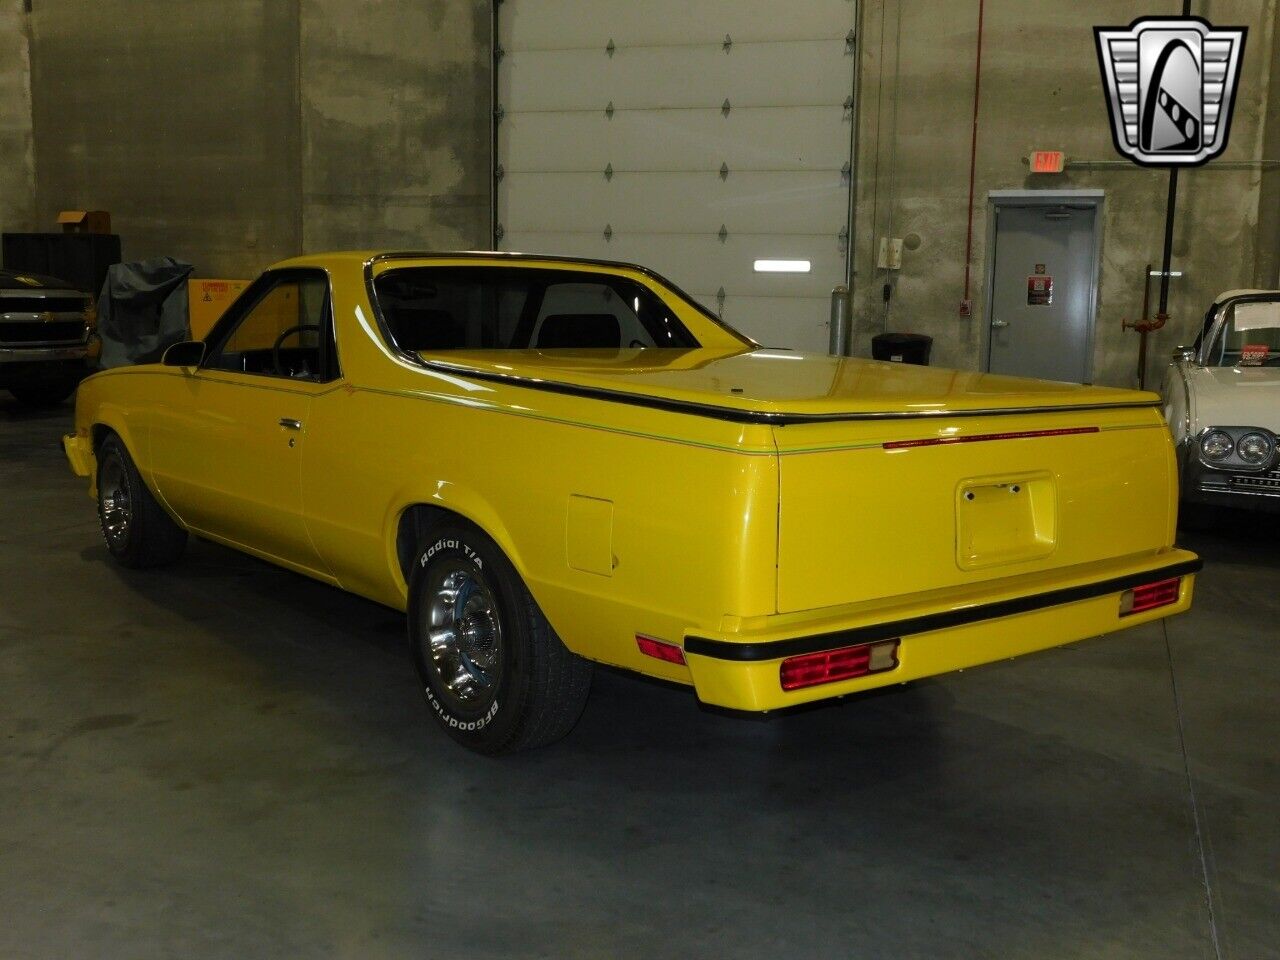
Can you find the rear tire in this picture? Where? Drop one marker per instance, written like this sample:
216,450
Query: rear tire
137,531
493,672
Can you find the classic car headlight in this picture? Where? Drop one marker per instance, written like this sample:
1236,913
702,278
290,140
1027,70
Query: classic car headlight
1216,445
1254,448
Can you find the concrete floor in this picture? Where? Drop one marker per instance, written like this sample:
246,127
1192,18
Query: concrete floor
227,760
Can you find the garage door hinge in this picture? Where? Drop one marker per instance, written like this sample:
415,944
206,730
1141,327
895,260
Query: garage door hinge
848,41
846,171
498,52
720,295
499,172
725,107
728,43
498,232
724,171
848,102
610,47
499,113
843,239
608,171
608,111
723,234
608,233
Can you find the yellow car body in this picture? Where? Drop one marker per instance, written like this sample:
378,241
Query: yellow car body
743,505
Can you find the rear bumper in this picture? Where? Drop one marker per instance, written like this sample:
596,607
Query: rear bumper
75,351
741,670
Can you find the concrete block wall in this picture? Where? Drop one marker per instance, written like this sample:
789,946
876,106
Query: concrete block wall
17,164
1041,89
237,133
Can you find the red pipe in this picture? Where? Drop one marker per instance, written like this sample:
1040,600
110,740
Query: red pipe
973,152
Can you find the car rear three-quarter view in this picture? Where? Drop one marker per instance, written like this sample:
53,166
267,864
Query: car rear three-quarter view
549,463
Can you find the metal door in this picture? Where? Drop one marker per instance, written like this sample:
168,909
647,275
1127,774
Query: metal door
1042,296
694,138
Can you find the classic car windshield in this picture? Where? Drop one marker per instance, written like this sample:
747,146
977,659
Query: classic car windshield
477,308
1249,337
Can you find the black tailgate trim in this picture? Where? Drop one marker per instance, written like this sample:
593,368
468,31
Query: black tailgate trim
776,649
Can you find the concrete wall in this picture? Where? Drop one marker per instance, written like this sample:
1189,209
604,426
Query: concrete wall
17,165
236,133
182,121
1040,90
395,124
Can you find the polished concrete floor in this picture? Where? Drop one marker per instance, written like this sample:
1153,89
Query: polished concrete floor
226,760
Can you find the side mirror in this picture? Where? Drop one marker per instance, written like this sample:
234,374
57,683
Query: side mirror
1184,355
188,353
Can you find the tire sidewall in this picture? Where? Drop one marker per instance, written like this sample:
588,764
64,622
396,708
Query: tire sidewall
493,723
113,448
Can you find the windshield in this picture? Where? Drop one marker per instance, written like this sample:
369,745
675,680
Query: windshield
1250,337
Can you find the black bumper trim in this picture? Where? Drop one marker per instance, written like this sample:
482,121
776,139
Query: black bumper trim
777,649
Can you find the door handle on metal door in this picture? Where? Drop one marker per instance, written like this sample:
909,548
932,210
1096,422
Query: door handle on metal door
997,324
290,424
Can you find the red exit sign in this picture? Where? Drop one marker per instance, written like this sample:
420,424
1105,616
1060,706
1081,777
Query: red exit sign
1047,161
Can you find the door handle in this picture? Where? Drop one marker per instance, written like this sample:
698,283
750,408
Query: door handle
996,324
290,424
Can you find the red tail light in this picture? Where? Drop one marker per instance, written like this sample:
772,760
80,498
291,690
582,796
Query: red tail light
846,663
1149,596
659,649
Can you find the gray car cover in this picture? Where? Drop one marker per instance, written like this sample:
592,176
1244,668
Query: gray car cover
143,310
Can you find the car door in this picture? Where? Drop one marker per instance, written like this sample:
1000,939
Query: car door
227,443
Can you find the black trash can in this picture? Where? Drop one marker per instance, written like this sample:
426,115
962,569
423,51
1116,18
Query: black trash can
902,347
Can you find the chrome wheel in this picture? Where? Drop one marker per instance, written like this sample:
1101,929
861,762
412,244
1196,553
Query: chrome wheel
115,503
463,642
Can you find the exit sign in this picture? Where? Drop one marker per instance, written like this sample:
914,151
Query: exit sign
1047,161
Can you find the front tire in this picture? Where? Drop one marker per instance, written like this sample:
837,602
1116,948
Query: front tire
137,531
493,672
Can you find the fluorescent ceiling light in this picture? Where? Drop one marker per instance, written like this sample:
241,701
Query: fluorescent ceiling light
782,266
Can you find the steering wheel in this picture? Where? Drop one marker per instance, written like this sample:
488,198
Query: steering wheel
288,331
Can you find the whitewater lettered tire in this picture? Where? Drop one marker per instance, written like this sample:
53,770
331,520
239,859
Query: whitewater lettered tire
137,531
495,675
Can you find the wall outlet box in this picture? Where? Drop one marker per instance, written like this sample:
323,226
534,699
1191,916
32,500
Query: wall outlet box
966,308
889,255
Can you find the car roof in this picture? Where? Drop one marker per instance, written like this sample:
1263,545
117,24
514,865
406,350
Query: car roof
492,256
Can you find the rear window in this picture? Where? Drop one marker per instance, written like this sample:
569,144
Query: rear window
493,308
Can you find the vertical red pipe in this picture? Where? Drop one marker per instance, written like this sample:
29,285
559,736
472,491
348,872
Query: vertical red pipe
973,152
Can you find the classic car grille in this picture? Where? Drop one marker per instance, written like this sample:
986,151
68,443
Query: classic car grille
42,304
54,331
1268,482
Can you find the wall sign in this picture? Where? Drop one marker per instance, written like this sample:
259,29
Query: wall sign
1039,290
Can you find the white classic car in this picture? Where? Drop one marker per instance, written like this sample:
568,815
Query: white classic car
1222,401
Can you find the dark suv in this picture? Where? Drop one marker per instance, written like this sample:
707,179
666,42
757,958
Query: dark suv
46,333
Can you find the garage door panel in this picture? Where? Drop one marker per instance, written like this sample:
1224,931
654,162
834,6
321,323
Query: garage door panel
782,203
800,323
567,23
753,75
690,260
798,138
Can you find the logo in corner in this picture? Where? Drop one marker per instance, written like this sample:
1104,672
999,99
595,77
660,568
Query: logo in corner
1171,86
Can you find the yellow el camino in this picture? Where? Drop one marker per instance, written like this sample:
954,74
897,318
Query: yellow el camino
549,462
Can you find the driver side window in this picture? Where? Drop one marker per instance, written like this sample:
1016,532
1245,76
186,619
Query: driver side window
286,331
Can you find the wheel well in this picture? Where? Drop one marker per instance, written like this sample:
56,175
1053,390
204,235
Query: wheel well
416,524
98,433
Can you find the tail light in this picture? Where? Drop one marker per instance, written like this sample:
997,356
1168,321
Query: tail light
659,649
1149,596
812,669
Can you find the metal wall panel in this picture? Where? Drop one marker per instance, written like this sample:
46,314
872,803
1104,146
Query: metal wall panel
630,152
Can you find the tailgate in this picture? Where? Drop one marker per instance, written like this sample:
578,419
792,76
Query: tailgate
878,509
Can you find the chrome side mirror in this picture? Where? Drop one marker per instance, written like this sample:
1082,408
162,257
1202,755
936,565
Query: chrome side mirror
188,353
1184,355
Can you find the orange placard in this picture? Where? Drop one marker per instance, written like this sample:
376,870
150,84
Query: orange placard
1047,161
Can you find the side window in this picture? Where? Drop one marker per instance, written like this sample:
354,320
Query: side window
286,331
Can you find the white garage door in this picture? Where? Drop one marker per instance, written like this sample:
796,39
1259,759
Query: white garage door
692,136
